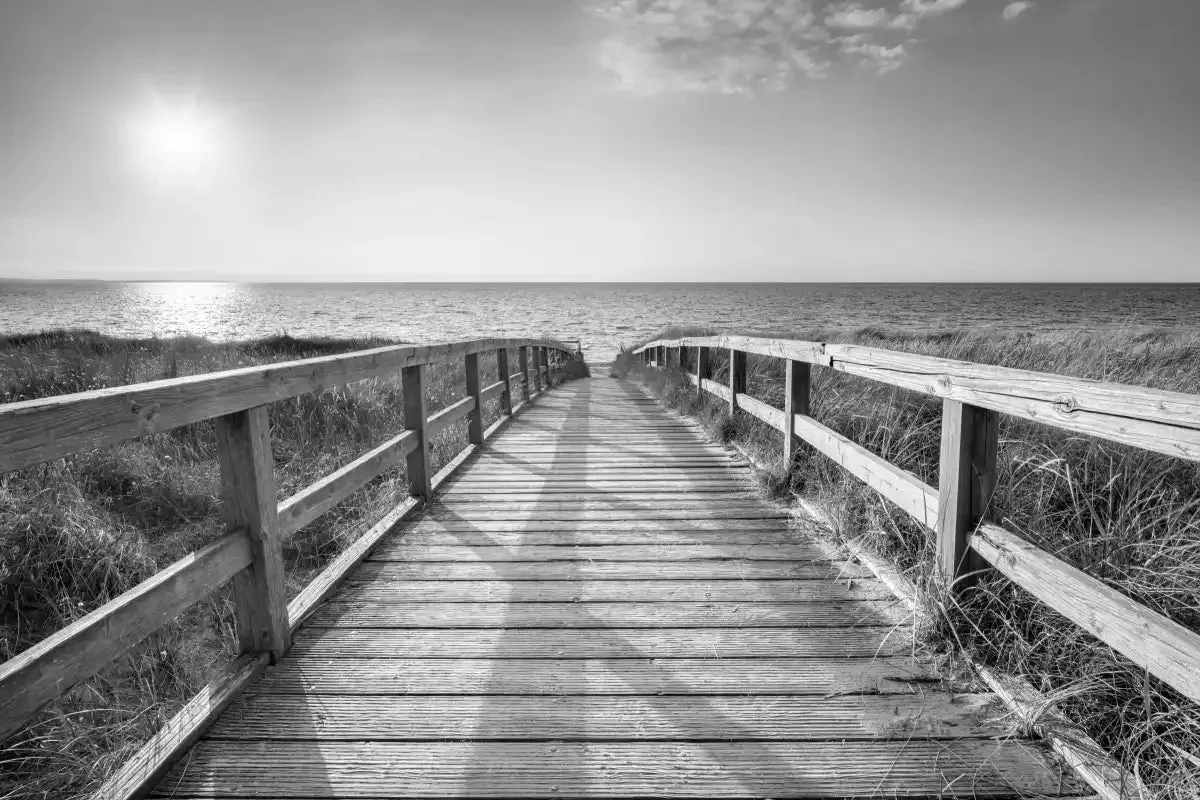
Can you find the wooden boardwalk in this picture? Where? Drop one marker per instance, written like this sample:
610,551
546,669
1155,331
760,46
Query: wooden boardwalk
598,607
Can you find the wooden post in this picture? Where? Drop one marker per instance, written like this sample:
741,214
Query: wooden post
795,401
967,477
248,504
546,365
702,371
523,364
503,373
420,481
737,377
475,417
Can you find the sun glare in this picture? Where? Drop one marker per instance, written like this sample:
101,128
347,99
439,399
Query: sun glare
176,141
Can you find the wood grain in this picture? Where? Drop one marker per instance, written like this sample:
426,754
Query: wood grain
39,430
41,673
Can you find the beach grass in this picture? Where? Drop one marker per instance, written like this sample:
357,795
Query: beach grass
76,532
1126,516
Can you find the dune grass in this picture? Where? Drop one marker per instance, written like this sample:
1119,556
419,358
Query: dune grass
76,532
1126,516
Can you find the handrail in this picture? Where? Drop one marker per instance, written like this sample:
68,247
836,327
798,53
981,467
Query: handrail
250,554
1165,422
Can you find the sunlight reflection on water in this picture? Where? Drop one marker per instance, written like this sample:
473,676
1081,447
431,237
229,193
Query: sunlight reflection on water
602,315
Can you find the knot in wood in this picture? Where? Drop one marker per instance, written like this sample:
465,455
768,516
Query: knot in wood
1066,404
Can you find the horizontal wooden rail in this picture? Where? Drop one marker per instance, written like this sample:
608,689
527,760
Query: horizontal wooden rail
33,431
250,555
448,416
305,506
1165,422
80,650
1165,648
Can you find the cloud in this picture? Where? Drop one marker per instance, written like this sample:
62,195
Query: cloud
1013,10
749,46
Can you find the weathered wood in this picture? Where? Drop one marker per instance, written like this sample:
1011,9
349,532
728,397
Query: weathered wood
757,408
415,414
808,352
737,377
860,642
305,506
740,676
1153,419
41,673
573,515
523,363
672,718
1166,649
795,401
39,430
615,570
436,423
664,591
139,775
606,616
537,368
968,768
506,403
248,506
900,487
703,370
330,578
967,477
475,414
603,552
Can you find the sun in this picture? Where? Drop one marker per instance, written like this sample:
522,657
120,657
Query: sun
176,140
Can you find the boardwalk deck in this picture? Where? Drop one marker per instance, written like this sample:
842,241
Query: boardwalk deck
597,607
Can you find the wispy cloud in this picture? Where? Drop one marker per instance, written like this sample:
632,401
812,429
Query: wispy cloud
1014,10
745,46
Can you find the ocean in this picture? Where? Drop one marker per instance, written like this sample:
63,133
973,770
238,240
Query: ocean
603,316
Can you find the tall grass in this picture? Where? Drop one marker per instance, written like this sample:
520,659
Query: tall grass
78,531
1125,516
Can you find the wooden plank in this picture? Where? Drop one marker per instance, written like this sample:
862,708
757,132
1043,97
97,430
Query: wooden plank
968,768
967,477
934,716
1166,649
41,673
1165,422
597,676
415,415
534,507
548,487
860,642
330,578
737,376
796,350
491,391
138,776
900,487
585,526
617,535
703,369
597,553
305,506
39,430
452,413
602,615
475,415
568,515
248,506
796,400
506,403
523,363
681,500
763,411
502,591
614,570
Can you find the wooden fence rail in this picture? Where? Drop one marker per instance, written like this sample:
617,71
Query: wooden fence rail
250,555
973,397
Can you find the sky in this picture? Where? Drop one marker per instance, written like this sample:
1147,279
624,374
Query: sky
605,140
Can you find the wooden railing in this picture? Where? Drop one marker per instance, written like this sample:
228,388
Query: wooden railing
974,395
250,554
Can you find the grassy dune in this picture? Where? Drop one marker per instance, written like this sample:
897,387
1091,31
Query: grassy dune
77,532
1128,517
